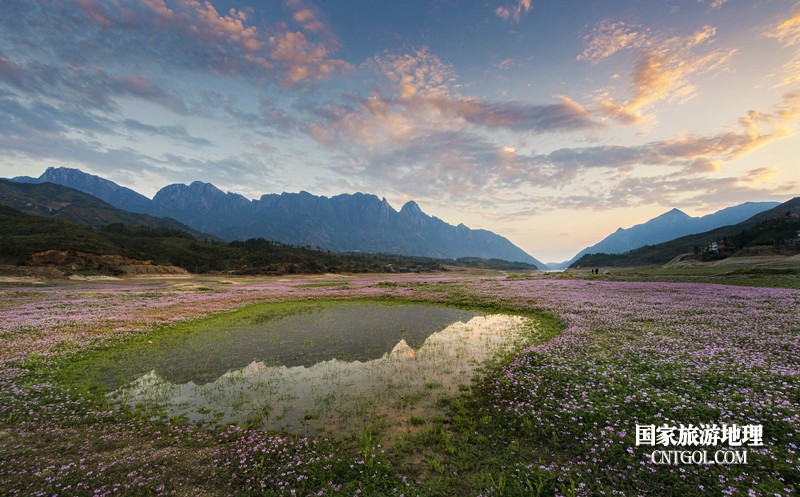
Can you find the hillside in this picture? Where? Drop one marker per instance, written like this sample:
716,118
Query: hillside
775,230
67,204
107,191
669,226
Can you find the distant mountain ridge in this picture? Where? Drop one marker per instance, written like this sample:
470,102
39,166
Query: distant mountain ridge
55,201
777,229
343,223
107,191
669,226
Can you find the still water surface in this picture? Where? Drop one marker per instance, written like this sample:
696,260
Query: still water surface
334,369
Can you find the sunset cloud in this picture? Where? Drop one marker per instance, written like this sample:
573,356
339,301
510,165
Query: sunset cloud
694,192
518,116
420,72
514,11
787,32
423,110
425,137
662,71
185,34
301,60
312,21
610,37
427,85
459,162
753,131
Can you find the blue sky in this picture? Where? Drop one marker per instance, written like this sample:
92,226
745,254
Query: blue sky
552,123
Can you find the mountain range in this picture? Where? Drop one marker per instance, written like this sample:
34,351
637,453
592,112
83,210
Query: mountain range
774,231
344,223
668,226
356,222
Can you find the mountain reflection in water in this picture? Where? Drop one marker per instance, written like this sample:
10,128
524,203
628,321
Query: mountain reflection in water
337,396
348,331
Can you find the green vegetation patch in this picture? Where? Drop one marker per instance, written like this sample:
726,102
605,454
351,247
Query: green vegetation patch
297,365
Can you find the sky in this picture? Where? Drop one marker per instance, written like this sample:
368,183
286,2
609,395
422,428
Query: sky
550,122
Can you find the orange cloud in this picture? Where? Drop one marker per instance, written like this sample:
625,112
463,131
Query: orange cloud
756,130
301,59
662,70
430,145
418,73
514,12
761,174
312,21
788,31
226,42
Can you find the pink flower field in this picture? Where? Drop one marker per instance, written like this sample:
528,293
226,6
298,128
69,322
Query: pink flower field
560,417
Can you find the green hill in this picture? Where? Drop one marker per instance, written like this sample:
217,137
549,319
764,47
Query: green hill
776,229
60,202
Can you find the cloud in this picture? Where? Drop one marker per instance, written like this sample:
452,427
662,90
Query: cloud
787,32
421,138
418,73
21,118
30,133
424,99
514,115
667,190
47,136
761,174
300,60
626,191
85,86
182,34
462,163
610,37
506,64
77,75
312,21
663,67
754,130
173,132
514,11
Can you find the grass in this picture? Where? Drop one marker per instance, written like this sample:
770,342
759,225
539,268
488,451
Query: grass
556,418
325,284
758,277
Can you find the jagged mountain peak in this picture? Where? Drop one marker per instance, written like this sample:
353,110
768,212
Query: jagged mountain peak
63,171
411,208
203,185
348,222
